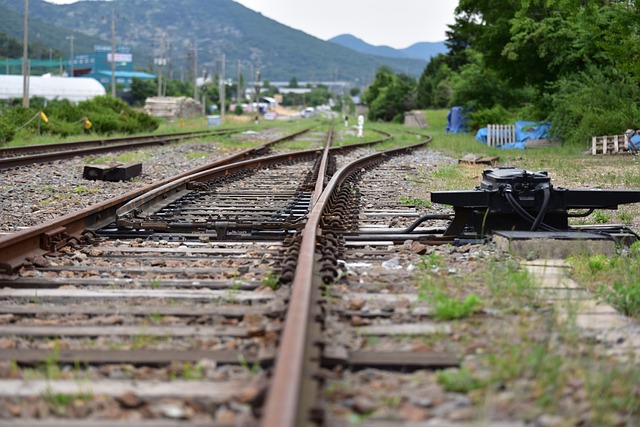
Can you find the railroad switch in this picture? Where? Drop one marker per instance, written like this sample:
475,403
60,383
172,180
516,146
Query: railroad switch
513,199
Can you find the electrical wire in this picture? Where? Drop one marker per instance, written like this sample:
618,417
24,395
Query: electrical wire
546,192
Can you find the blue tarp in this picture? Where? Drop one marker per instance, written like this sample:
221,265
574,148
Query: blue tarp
456,120
525,131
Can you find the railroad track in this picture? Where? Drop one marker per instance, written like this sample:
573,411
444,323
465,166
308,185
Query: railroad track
11,157
191,302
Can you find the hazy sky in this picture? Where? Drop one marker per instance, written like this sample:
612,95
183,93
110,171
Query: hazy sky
396,23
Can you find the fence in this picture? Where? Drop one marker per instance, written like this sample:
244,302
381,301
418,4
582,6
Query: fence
500,134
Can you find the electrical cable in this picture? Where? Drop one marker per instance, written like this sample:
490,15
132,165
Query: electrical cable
546,192
523,213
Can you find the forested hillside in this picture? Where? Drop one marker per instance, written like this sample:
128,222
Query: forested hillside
218,26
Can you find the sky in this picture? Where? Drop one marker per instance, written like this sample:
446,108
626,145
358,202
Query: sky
374,21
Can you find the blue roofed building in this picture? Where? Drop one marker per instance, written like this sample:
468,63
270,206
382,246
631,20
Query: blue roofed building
98,65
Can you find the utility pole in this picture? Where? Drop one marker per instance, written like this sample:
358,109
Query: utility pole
222,90
113,52
71,38
160,62
25,57
257,89
238,101
195,71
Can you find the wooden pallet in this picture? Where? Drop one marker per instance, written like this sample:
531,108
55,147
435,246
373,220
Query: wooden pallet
609,144
473,159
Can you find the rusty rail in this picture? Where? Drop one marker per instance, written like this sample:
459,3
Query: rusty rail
288,403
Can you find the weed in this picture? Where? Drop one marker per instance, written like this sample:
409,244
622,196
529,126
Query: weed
433,261
156,317
271,280
625,297
371,341
511,287
81,189
155,283
613,389
231,292
625,217
601,217
598,262
446,307
145,341
254,368
59,402
598,272
417,202
191,372
459,380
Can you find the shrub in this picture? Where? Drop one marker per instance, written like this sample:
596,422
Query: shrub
495,115
594,102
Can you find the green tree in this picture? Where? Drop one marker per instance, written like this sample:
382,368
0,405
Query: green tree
434,86
595,102
390,96
141,89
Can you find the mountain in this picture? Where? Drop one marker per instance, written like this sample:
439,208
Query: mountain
421,51
219,26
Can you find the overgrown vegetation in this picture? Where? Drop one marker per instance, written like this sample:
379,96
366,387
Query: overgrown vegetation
615,279
570,63
102,115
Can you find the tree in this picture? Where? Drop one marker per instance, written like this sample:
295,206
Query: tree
141,89
293,83
390,95
434,86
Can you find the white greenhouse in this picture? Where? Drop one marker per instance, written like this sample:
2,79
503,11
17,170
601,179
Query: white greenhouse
74,89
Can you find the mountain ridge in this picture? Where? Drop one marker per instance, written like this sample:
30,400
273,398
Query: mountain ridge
421,50
219,26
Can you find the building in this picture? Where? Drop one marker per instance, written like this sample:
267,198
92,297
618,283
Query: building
49,87
98,65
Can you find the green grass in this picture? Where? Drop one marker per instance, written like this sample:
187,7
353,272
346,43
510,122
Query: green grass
417,202
459,380
59,402
616,280
198,155
435,290
271,280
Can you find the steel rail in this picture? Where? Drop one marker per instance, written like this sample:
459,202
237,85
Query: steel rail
144,201
322,170
287,403
15,247
141,142
39,148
